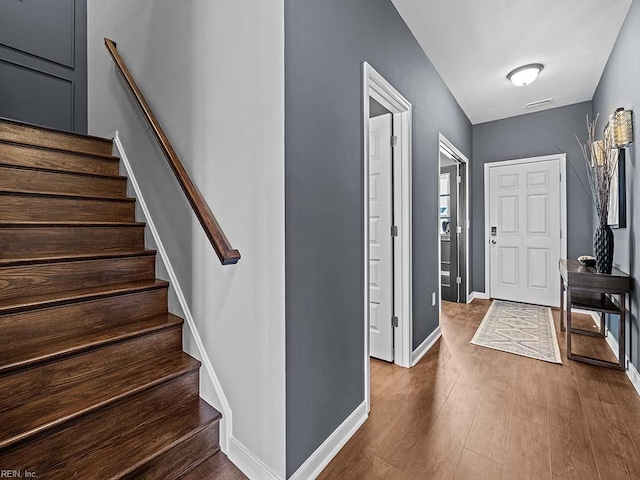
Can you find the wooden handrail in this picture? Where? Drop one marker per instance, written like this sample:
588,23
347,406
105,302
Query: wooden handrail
226,254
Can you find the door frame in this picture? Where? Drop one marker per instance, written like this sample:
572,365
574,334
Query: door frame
375,86
562,160
463,159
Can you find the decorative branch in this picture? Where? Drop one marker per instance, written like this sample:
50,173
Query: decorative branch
601,160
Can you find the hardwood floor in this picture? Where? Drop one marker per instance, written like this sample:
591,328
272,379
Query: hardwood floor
471,413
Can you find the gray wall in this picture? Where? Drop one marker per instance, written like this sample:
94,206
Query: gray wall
620,87
326,43
533,135
376,109
43,63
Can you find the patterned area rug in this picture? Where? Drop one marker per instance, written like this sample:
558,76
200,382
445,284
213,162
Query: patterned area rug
519,328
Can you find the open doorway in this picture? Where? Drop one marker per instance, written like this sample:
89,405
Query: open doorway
453,223
387,223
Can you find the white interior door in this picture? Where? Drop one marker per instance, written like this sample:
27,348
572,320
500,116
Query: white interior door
380,247
524,236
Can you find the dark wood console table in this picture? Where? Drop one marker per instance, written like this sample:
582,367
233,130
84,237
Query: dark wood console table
588,290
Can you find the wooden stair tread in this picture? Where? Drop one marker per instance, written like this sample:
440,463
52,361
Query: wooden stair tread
36,350
117,440
29,156
216,467
35,126
32,134
43,207
48,239
19,281
63,172
101,156
58,298
37,180
73,196
9,262
62,224
45,410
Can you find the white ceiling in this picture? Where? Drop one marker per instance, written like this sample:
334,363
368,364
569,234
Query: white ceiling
473,44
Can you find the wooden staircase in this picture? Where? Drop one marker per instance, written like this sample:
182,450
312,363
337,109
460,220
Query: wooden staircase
93,380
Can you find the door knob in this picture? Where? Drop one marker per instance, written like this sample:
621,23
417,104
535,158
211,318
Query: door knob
493,242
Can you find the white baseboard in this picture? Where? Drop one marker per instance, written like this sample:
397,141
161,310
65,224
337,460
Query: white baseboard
314,465
425,346
613,343
631,370
479,295
634,375
248,464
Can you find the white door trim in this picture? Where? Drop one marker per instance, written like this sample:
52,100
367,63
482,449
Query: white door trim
465,160
375,86
562,160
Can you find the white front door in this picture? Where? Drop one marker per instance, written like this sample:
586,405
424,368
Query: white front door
380,248
524,232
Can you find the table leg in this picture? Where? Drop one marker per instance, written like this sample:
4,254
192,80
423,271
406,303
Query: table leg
621,329
569,356
603,324
562,329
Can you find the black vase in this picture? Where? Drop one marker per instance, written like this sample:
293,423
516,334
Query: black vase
603,248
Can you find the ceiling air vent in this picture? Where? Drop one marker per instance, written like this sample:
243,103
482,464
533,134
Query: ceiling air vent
539,103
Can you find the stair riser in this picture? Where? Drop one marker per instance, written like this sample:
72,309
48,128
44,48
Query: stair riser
53,457
26,156
63,183
26,208
149,405
21,387
52,241
182,458
20,330
12,132
49,278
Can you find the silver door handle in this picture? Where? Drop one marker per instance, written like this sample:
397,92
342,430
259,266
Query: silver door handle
493,242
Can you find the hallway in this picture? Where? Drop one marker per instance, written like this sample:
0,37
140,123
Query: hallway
467,412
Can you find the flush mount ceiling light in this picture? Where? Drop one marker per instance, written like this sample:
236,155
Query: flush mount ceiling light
525,75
